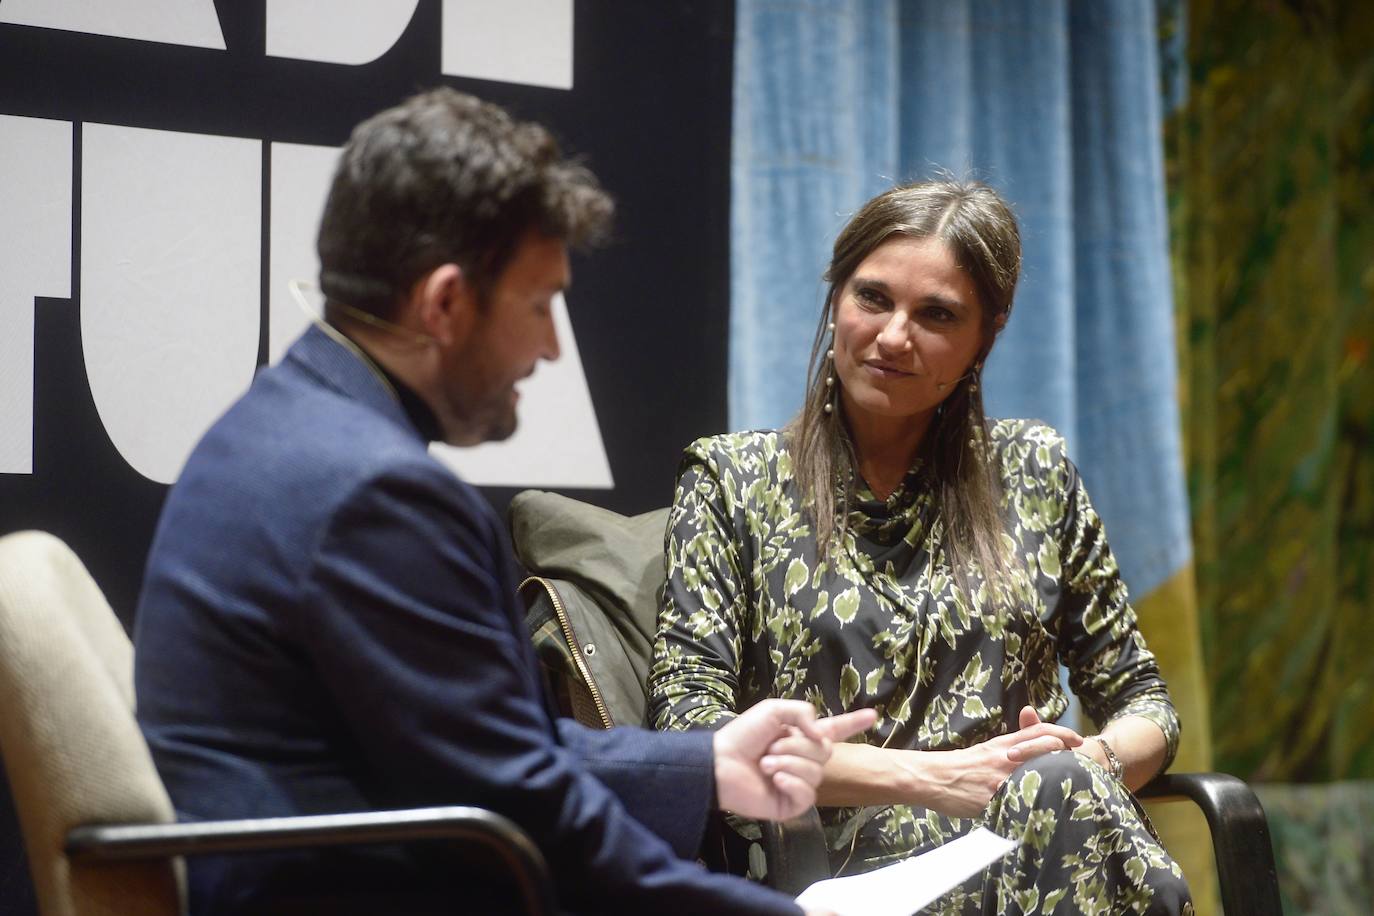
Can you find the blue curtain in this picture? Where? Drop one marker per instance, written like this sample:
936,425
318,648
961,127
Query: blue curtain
1057,105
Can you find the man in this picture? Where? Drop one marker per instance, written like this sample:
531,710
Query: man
328,619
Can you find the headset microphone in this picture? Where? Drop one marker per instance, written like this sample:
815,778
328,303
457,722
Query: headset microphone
297,288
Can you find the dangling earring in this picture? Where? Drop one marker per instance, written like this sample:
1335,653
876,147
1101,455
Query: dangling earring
830,372
973,373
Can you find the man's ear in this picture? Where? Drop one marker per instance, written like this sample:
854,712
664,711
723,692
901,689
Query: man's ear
447,304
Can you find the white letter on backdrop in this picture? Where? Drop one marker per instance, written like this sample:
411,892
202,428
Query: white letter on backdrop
338,32
515,41
170,284
193,23
300,182
35,260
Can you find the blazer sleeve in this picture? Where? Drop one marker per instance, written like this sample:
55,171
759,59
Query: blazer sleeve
666,785
409,621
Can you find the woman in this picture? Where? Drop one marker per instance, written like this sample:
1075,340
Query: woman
892,548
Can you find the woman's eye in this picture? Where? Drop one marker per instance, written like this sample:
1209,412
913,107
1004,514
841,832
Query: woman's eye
871,298
940,314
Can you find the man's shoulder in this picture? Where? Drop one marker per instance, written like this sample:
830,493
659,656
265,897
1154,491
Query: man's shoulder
275,471
288,435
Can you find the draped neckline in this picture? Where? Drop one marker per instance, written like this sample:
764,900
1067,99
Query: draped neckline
892,530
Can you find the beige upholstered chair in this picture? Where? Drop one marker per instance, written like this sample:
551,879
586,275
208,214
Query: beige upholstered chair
72,750
97,822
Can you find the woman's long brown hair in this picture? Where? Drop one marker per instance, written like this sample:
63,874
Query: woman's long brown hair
981,233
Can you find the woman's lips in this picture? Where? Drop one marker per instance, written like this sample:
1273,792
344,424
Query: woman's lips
886,371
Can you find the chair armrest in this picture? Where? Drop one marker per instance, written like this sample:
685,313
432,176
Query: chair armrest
795,852
1240,837
127,842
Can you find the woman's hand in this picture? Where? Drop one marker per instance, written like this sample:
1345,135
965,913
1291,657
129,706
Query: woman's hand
959,783
1033,741
964,781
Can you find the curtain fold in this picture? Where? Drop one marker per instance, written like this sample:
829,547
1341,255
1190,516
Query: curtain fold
815,88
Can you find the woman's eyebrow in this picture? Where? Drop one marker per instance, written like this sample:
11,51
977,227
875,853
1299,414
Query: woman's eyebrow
882,286
948,302
872,283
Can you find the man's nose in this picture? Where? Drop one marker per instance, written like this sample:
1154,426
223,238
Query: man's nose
552,350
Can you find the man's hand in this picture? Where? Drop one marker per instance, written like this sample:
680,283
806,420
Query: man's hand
769,760
971,776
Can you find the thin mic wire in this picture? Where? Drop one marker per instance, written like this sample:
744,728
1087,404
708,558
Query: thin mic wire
297,287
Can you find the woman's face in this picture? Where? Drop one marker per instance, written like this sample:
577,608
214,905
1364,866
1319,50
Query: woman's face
907,320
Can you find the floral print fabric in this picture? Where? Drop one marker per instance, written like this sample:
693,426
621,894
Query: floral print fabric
749,611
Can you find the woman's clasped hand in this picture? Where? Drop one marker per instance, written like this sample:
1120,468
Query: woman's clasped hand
971,776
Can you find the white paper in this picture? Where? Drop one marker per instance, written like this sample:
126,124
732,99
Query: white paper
903,888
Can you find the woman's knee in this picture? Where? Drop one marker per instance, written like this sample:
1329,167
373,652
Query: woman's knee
1169,894
1055,769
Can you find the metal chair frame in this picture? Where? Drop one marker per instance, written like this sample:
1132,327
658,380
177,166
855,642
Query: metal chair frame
109,843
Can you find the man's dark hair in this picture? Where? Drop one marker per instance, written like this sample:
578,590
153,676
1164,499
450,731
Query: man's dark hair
446,177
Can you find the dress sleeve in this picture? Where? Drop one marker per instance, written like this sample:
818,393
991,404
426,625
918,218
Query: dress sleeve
1110,668
695,678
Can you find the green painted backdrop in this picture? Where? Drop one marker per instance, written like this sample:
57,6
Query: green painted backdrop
1271,177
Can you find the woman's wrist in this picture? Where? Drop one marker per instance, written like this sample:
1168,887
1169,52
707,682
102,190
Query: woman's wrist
1093,751
859,774
911,775
926,777
1099,749
1113,762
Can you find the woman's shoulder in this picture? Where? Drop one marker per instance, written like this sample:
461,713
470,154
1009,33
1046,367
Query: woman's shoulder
738,449
1033,433
1030,453
741,462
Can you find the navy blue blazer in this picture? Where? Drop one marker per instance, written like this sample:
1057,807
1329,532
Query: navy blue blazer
328,624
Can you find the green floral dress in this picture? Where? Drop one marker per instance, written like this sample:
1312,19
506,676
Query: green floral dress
750,612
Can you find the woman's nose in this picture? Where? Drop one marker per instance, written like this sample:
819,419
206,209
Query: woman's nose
895,337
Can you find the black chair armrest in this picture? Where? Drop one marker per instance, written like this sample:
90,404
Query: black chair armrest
1240,837
795,852
127,842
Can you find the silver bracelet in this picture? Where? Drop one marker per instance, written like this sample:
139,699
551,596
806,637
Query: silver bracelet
1113,762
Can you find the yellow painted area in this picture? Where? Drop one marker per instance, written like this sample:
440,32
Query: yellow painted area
1169,620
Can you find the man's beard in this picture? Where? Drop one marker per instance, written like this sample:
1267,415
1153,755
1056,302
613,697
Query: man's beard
498,423
471,421
478,395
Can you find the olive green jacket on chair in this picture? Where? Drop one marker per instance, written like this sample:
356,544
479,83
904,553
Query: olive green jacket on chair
591,601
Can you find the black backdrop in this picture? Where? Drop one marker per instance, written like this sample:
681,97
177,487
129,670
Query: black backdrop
649,111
